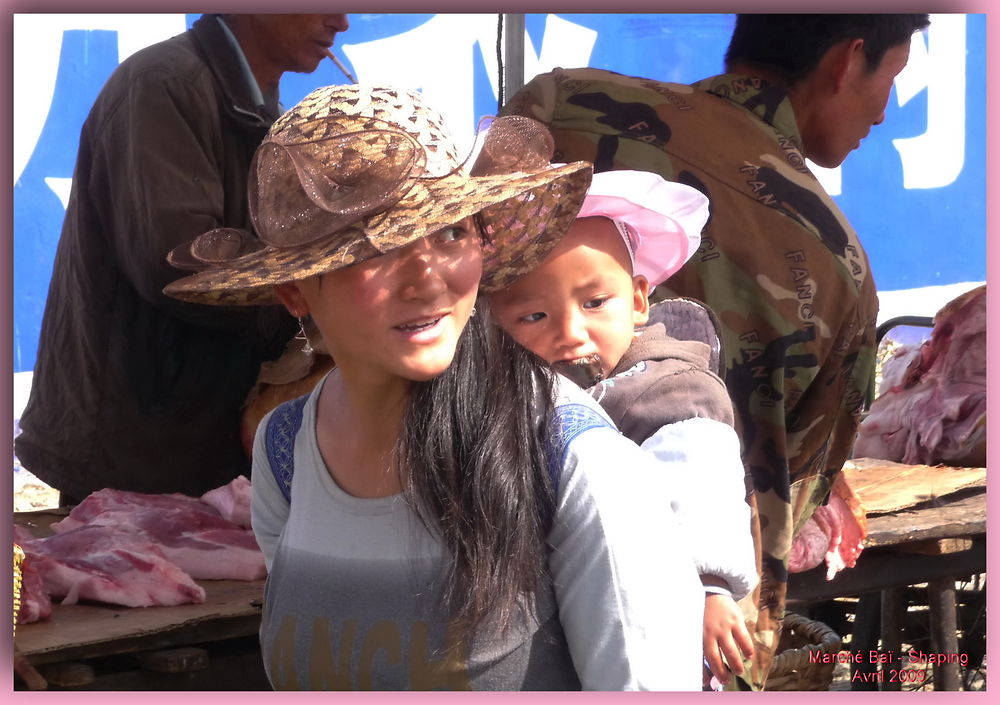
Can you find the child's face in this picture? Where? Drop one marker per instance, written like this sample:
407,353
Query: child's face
581,300
398,315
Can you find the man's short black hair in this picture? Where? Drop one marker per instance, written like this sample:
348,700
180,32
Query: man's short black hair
791,46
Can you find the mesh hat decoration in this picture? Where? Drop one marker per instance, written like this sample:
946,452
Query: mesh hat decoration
353,172
659,220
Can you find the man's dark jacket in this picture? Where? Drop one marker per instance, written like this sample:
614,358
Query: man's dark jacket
134,390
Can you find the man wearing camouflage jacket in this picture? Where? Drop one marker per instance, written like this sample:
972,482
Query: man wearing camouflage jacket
778,263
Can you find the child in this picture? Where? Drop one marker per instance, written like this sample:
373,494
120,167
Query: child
583,311
415,532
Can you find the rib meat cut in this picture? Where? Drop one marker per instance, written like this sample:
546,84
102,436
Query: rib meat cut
106,564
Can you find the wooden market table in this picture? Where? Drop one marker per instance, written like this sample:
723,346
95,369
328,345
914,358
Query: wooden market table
925,525
211,646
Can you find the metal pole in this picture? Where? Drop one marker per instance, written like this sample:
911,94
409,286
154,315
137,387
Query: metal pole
513,45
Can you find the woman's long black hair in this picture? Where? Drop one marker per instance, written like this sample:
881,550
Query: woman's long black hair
473,460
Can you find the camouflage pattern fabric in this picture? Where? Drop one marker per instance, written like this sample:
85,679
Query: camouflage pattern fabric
779,264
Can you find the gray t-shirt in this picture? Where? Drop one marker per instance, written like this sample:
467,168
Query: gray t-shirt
352,597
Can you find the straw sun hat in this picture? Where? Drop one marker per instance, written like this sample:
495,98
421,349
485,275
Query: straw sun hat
353,172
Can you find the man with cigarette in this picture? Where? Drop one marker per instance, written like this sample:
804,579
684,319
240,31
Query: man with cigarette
134,390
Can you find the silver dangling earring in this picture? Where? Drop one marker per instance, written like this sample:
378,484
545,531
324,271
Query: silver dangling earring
473,314
307,348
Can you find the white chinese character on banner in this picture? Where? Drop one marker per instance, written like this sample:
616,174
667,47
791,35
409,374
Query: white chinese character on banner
935,158
435,58
37,43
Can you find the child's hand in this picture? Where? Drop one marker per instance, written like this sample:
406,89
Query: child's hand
725,634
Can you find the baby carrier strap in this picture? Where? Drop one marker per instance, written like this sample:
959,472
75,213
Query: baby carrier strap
569,421
690,319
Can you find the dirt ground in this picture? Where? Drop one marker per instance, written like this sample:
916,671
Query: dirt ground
920,675
842,679
30,493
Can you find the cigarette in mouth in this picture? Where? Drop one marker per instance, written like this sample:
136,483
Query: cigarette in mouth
340,66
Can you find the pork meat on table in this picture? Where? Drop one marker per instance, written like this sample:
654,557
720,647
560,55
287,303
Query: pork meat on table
936,412
187,531
109,565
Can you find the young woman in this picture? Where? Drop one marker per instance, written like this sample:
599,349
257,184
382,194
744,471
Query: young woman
435,515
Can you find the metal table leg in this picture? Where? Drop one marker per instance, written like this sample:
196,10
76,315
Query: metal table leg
864,639
892,632
944,631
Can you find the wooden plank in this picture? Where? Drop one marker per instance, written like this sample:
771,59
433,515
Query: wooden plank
884,486
884,568
962,518
90,630
937,547
39,522
210,631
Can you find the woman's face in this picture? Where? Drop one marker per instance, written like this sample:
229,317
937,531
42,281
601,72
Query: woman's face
398,315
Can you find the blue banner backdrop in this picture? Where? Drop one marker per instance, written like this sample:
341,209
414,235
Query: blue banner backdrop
915,190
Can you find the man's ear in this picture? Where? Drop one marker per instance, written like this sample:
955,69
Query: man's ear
291,296
843,61
640,300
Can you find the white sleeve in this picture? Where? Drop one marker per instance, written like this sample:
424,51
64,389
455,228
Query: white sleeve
268,508
701,460
630,601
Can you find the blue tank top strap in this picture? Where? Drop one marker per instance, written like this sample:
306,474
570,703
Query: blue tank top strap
569,421
279,440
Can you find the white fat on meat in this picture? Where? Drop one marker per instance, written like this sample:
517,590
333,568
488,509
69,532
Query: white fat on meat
232,501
